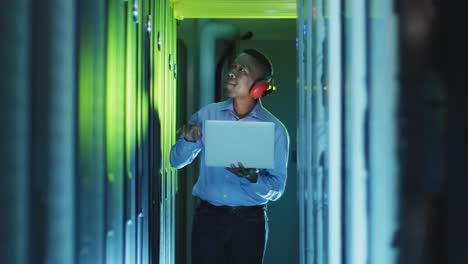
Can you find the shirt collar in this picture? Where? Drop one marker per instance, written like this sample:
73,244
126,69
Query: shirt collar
227,105
258,111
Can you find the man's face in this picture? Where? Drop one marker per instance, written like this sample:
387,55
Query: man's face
241,76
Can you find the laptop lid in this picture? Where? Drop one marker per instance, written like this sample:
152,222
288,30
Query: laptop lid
252,143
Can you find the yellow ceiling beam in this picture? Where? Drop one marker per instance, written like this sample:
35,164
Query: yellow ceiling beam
234,9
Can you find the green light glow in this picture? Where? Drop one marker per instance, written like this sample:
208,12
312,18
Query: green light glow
85,95
115,91
164,84
234,8
130,94
85,109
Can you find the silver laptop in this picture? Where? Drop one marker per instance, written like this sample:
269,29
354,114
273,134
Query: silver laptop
252,143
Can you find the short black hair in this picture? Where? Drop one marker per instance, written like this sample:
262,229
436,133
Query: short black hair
262,60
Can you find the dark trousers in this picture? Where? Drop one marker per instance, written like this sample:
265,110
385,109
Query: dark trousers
229,235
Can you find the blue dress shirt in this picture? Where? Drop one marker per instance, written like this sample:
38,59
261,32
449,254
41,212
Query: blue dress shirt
218,185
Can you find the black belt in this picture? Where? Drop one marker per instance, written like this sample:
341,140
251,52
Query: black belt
237,210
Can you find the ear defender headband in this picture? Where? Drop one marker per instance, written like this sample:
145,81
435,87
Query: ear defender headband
263,86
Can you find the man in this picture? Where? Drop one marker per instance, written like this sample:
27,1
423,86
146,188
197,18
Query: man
229,225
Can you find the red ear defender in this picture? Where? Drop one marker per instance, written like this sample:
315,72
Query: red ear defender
259,88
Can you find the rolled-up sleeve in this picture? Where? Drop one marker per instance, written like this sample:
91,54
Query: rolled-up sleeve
183,152
272,182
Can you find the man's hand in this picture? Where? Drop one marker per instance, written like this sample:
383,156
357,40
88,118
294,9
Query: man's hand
248,173
190,132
